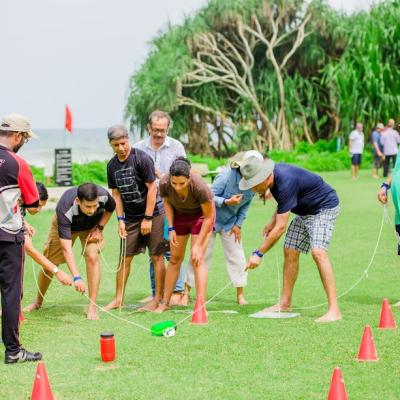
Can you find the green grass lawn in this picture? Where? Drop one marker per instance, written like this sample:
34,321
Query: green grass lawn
234,356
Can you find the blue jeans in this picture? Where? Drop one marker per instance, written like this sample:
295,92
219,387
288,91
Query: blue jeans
179,283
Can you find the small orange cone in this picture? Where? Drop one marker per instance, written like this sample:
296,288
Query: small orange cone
199,316
21,317
387,320
337,390
41,387
367,350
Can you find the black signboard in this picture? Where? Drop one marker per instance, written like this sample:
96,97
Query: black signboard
63,170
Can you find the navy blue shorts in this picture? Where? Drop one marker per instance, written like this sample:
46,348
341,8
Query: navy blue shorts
356,159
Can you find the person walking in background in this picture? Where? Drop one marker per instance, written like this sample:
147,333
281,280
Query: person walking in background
390,140
189,206
356,148
232,205
377,149
163,150
140,212
16,186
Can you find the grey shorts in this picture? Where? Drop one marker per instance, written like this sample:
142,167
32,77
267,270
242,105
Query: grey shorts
311,231
136,243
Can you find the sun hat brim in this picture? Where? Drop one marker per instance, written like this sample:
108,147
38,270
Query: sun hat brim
264,173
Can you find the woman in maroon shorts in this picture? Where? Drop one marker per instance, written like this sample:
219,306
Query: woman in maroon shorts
189,207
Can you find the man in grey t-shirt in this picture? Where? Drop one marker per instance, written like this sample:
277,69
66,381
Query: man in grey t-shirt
390,140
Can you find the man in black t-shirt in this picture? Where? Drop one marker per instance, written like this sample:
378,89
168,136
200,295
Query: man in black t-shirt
82,212
316,205
140,212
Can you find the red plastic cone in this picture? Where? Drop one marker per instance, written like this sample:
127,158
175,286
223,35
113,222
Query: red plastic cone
367,350
337,390
199,316
21,317
387,320
41,387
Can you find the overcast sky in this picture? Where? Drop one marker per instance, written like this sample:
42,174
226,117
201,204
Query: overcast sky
81,53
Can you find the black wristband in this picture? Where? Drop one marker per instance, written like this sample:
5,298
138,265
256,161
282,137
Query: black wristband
99,227
148,217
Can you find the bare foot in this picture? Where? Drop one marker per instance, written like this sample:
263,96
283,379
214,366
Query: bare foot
149,307
161,308
185,300
242,301
330,316
32,307
114,304
175,299
92,315
146,299
397,304
276,308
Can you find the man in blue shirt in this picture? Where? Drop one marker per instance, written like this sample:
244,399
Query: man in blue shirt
377,148
231,209
316,205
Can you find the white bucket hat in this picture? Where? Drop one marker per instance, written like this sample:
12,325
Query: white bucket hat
254,171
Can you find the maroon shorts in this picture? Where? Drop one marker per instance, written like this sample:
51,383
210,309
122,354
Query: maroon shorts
186,224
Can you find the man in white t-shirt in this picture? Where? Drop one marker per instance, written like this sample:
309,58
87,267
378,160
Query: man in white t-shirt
356,148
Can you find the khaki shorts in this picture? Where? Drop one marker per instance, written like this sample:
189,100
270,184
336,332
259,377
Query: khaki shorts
136,243
53,250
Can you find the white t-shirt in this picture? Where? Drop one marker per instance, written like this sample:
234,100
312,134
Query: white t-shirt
357,142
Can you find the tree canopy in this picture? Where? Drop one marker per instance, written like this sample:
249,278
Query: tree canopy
268,73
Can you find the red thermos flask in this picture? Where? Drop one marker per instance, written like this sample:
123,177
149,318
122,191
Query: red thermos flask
107,346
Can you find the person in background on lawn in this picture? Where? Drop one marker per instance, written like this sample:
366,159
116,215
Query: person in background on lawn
356,148
390,140
163,150
82,212
16,186
377,148
140,212
189,206
232,205
316,205
30,231
393,183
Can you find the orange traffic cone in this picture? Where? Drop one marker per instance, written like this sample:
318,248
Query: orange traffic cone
21,316
367,350
41,387
387,320
337,390
199,316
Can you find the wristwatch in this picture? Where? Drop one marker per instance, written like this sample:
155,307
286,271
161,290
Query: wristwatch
55,270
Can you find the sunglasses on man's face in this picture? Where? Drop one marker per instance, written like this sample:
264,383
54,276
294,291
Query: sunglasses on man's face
25,136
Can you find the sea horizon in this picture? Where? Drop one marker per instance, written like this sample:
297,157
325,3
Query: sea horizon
86,144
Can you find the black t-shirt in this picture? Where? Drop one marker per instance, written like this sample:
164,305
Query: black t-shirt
71,219
301,191
129,177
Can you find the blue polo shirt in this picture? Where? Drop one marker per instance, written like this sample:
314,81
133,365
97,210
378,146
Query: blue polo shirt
300,191
224,186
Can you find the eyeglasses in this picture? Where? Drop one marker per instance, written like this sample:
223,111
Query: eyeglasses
25,136
157,131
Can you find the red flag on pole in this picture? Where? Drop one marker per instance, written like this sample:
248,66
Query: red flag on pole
68,119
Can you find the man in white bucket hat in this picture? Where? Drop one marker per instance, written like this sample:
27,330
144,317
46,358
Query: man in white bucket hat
316,205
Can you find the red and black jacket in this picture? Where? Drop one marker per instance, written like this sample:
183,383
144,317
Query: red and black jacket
16,184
